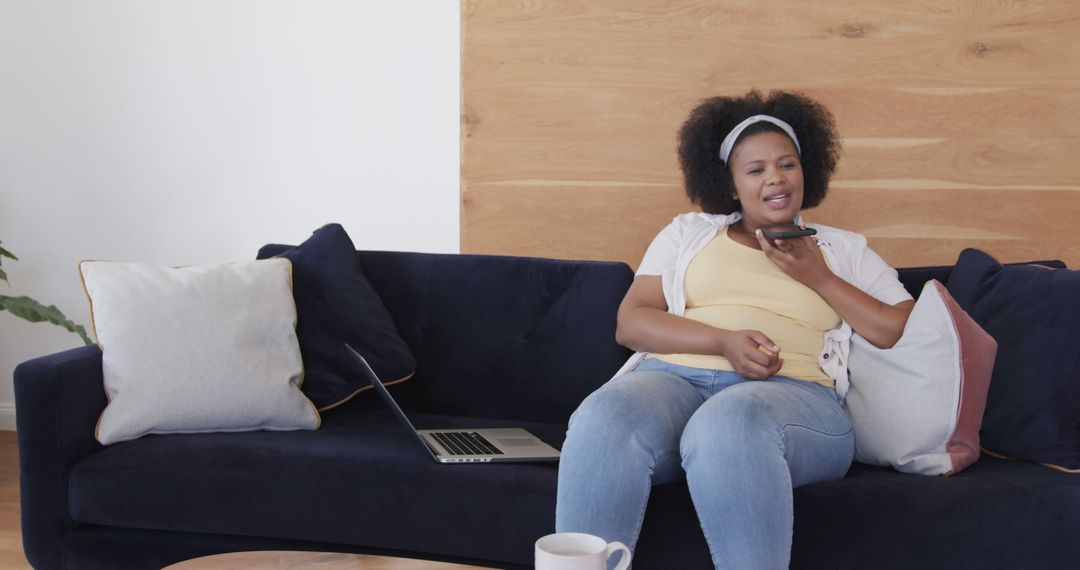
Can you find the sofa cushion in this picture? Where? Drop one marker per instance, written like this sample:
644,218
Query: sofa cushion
335,305
913,278
1033,409
359,480
507,337
196,349
995,514
918,405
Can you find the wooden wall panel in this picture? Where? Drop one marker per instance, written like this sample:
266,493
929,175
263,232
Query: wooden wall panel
961,119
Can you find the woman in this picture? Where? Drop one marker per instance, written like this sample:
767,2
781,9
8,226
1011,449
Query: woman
742,342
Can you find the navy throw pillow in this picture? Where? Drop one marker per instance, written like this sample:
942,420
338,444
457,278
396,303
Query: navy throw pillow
1033,409
335,305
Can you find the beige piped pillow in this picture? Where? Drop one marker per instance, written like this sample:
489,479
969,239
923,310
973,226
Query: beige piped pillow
918,406
197,349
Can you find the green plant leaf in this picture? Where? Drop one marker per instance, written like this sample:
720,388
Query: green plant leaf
3,276
8,254
35,312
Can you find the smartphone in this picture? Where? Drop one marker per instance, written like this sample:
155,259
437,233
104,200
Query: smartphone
787,231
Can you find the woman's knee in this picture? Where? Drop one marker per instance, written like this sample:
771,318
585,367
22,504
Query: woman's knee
771,422
735,420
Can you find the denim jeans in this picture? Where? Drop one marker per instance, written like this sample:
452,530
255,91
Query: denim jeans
742,446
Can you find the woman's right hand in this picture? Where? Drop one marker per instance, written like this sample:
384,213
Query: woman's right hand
753,355
645,325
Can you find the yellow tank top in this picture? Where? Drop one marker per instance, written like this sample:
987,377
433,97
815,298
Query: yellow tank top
734,287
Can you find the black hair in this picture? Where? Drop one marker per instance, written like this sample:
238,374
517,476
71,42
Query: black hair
708,180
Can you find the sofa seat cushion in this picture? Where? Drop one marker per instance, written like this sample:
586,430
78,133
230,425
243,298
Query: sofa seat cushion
995,514
360,480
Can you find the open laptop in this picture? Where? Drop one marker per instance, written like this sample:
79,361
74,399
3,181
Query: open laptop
465,445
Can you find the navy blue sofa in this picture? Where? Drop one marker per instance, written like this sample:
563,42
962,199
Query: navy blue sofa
497,340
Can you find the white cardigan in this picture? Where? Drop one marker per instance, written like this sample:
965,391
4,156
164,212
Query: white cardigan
850,258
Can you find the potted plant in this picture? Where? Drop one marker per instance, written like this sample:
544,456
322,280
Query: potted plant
33,311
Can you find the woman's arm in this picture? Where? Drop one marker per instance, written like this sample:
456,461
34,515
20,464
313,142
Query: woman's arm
645,325
880,323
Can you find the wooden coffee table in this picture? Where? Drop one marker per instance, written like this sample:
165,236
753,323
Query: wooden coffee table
311,561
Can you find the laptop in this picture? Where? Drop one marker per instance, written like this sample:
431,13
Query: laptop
465,445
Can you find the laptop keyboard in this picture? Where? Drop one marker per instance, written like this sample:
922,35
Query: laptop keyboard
465,443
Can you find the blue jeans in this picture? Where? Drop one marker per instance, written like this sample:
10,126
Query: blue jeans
742,446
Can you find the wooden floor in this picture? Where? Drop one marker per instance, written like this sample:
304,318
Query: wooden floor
11,553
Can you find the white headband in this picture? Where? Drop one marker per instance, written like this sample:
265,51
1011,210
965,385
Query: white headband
729,140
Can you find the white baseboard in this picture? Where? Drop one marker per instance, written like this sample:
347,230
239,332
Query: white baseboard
7,416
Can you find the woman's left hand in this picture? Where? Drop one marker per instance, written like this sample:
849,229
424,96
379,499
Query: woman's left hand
800,258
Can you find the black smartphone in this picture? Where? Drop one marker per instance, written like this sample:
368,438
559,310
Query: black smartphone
787,231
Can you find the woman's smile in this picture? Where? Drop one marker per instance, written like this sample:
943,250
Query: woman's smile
778,201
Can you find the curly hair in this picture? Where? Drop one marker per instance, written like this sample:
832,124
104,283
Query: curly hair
708,180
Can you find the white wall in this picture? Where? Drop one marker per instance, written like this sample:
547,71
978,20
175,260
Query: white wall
183,132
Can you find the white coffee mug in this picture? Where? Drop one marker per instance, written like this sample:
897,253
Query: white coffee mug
578,551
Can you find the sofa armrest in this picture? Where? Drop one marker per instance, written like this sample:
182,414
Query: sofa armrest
58,399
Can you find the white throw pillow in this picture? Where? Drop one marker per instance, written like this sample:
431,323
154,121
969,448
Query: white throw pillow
918,406
197,349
